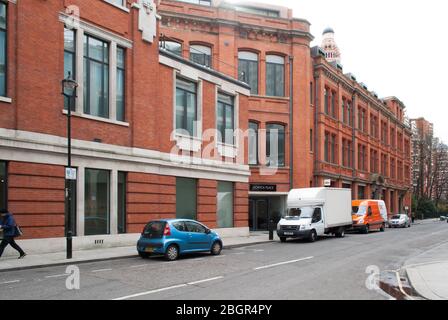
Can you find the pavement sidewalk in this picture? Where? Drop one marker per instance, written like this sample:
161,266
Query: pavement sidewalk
428,273
84,256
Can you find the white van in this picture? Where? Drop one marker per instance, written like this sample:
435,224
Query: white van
316,212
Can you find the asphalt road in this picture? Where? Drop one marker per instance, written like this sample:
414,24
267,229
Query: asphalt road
328,269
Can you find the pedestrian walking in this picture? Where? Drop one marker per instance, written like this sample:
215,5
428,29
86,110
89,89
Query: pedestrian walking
10,231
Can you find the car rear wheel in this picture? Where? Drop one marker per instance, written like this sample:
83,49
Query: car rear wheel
172,253
216,248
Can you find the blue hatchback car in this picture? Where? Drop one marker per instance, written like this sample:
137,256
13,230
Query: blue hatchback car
174,237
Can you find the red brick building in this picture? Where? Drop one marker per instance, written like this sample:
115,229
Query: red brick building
160,88
269,49
143,126
363,142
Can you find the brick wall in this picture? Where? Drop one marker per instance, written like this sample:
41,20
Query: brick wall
36,197
149,197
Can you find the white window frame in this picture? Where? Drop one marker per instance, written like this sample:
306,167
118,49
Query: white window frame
81,28
187,142
224,149
122,6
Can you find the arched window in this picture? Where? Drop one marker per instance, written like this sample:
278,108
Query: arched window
201,55
275,76
275,145
171,46
248,69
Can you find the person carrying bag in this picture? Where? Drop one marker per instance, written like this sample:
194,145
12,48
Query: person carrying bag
10,231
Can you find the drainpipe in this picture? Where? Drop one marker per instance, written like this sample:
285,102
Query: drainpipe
316,129
291,123
353,119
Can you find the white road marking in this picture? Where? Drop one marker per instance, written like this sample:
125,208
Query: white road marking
138,266
150,292
219,256
57,276
10,282
167,288
283,263
206,280
101,270
238,253
259,250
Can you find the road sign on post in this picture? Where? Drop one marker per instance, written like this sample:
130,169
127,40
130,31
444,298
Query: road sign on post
70,173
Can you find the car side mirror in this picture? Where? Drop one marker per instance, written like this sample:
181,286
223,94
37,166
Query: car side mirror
208,231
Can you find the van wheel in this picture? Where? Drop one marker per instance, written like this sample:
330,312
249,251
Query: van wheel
216,248
282,239
172,253
313,236
383,228
366,230
340,234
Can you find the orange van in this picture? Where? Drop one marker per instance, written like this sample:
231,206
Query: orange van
369,215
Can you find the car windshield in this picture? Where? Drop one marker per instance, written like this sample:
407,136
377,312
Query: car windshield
396,217
154,229
300,213
360,211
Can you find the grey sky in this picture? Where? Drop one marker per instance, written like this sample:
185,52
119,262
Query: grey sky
396,47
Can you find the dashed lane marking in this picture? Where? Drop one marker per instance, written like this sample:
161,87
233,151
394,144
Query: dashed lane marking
283,263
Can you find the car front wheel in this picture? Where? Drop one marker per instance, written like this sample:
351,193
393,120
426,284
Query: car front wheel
172,253
216,248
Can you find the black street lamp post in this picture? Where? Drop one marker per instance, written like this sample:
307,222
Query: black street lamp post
69,91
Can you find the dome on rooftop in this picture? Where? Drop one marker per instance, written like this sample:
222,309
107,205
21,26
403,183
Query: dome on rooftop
328,30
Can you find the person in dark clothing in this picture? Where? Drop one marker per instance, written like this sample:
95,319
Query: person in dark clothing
8,224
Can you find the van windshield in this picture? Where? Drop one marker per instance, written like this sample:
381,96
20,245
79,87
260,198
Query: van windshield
300,213
360,211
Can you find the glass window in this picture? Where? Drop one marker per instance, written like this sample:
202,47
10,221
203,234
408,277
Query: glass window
226,118
69,61
248,69
120,3
275,145
180,226
253,143
201,2
186,109
3,48
96,77
225,204
121,77
97,202
195,227
171,46
186,198
121,198
326,101
275,76
201,55
3,186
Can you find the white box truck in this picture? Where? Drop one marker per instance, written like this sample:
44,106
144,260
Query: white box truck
315,212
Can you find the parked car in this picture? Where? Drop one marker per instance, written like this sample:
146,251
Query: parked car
400,221
369,215
315,212
175,237
443,218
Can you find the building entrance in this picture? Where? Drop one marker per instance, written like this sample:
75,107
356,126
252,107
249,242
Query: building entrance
263,209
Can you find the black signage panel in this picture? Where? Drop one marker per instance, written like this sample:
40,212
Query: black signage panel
263,188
